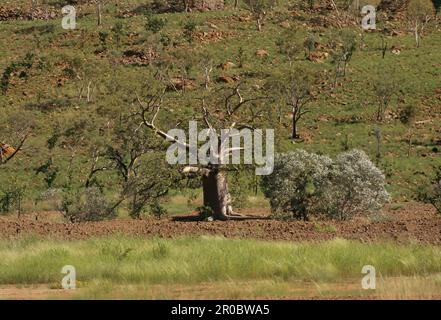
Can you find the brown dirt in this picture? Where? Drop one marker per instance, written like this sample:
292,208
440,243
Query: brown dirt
410,222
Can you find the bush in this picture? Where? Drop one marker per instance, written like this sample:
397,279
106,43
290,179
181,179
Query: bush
356,185
305,184
295,187
432,193
157,210
88,205
154,24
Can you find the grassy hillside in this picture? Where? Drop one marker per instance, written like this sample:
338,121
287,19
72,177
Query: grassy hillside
47,72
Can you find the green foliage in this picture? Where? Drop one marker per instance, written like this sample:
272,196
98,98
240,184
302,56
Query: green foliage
189,29
103,35
118,32
205,213
288,44
49,172
51,93
154,24
22,65
89,204
432,193
157,210
310,43
11,199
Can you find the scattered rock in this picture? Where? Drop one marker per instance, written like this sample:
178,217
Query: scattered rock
318,57
212,25
228,79
213,36
285,24
396,50
262,53
133,56
227,65
181,84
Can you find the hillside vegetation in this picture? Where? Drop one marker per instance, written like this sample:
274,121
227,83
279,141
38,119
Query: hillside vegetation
70,97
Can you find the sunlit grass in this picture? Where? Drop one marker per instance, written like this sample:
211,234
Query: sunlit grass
194,260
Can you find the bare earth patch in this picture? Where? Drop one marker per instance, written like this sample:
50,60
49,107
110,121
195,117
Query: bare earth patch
410,222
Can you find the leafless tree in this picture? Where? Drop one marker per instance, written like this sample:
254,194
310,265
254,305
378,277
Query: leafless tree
294,91
259,9
419,14
225,109
12,140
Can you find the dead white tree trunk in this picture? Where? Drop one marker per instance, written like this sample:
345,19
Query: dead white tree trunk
98,12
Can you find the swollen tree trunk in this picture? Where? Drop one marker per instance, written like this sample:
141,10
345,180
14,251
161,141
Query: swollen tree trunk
216,195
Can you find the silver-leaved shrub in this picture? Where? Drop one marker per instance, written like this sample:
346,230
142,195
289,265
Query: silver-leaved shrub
305,184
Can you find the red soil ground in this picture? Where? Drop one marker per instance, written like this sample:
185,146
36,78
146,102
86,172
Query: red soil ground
409,222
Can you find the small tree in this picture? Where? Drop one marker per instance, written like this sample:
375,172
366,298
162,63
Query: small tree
189,30
132,151
289,45
432,193
207,66
310,43
15,128
118,32
259,10
99,10
385,89
419,13
295,94
407,117
153,23
343,55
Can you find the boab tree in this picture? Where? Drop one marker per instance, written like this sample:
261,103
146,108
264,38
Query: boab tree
221,115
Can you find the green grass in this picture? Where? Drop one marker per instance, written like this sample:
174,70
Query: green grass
122,260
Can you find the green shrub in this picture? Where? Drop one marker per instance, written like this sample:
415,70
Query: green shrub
432,193
154,24
88,205
157,210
